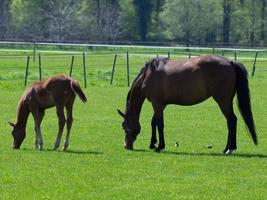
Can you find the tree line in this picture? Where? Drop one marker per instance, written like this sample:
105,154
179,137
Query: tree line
190,22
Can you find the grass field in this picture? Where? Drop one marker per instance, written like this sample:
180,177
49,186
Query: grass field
97,166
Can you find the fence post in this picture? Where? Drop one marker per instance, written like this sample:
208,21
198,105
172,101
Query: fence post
189,55
128,71
34,51
84,70
71,65
113,69
169,55
235,55
26,71
40,67
254,64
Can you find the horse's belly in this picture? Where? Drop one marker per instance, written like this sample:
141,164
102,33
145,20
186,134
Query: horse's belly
187,96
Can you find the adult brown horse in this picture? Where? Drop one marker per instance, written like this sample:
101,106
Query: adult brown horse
59,91
164,82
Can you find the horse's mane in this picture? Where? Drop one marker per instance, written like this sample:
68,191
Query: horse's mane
142,71
154,63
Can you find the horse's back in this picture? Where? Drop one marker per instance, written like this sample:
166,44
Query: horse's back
189,82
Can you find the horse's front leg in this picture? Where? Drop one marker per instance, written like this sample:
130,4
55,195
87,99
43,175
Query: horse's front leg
160,125
158,115
154,132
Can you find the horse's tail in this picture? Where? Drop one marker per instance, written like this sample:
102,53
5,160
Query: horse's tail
77,90
243,97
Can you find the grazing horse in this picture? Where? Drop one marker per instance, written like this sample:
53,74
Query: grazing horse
164,82
59,91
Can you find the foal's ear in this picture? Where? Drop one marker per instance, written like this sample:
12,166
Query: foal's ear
121,113
11,124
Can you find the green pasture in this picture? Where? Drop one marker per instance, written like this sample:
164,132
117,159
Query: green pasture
96,166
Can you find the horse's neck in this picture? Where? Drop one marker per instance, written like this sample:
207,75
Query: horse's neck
136,99
22,115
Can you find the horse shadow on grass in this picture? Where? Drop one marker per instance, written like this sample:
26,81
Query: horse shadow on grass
238,155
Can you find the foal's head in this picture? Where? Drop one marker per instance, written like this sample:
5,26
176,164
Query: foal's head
18,135
131,128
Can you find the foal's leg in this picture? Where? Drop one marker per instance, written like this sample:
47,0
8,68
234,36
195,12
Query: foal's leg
61,124
228,111
38,116
69,124
154,132
41,114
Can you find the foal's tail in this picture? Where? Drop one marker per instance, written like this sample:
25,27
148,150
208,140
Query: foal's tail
77,90
243,97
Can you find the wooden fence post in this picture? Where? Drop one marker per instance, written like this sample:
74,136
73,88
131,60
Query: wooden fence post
84,70
254,64
128,70
71,65
40,67
26,71
113,69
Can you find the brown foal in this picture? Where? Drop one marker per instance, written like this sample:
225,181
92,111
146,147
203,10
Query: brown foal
59,91
164,82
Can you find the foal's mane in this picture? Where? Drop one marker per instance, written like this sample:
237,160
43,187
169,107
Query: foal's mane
22,108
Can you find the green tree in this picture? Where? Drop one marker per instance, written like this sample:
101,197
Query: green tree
4,18
192,21
143,11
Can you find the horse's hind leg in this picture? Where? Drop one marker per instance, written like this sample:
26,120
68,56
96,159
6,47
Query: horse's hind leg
61,124
69,124
227,109
154,132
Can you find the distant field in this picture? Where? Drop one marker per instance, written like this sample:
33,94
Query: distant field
96,165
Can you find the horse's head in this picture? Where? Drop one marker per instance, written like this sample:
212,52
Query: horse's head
131,128
18,135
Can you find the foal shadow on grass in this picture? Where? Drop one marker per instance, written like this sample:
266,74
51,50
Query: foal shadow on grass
238,155
80,152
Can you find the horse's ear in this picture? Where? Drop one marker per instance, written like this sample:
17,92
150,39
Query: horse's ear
121,113
11,124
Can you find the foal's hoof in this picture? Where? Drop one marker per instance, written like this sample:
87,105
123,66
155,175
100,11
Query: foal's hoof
64,148
55,148
228,152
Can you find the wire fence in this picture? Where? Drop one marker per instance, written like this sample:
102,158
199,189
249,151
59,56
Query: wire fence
103,64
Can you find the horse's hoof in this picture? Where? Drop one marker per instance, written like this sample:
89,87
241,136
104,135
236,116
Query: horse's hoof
152,146
228,152
157,150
